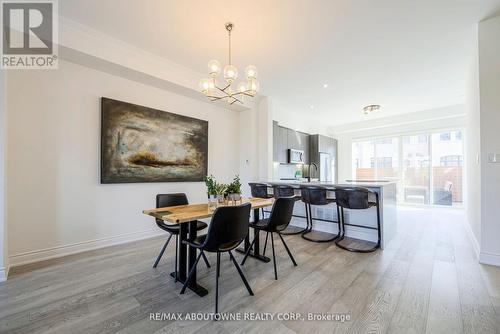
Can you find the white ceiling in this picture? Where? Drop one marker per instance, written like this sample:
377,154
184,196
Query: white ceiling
407,55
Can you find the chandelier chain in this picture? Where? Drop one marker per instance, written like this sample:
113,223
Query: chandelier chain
229,31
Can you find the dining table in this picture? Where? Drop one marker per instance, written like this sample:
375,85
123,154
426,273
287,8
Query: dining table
186,217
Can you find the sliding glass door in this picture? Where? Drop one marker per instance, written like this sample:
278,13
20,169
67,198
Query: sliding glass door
447,167
416,169
376,159
426,166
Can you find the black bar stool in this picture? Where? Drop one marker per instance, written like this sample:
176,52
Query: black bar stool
228,228
280,217
357,199
259,190
164,200
315,195
282,190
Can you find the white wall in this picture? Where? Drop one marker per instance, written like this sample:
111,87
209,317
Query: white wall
303,122
473,149
489,83
3,225
442,118
55,202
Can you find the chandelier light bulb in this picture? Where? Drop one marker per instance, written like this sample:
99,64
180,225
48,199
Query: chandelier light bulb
251,72
242,87
230,73
253,86
214,68
205,85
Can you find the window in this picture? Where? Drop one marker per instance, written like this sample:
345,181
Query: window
445,136
422,139
451,160
376,159
382,162
428,167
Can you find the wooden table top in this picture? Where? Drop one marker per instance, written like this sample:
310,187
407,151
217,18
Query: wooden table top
185,213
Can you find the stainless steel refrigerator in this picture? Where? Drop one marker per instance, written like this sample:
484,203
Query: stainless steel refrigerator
323,152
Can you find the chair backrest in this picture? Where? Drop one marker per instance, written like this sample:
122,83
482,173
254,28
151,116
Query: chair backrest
283,191
352,198
314,195
259,190
281,213
164,200
229,226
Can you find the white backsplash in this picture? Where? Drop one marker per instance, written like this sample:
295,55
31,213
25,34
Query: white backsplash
285,170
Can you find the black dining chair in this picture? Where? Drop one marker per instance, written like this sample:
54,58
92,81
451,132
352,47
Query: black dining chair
281,215
259,190
165,200
357,198
228,228
283,190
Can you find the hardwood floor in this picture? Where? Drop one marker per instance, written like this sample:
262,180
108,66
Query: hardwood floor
426,281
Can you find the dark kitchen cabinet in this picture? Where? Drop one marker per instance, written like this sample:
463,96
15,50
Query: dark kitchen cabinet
284,139
280,143
304,145
293,139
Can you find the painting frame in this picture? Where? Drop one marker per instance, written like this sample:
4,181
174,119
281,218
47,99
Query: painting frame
115,113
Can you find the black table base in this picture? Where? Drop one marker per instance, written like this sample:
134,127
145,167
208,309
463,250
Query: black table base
196,288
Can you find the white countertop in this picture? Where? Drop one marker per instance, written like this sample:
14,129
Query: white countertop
370,184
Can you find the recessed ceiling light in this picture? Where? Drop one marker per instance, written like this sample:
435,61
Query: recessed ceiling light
311,106
371,109
325,85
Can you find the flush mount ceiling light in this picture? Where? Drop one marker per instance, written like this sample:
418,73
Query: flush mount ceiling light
371,109
247,87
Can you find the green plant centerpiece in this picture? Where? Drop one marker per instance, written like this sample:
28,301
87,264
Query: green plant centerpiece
234,189
215,190
210,182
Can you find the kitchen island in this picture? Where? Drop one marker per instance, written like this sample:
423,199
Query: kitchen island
388,214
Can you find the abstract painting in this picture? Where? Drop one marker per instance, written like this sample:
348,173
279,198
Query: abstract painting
140,144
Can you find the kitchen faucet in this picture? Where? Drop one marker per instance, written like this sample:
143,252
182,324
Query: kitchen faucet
315,166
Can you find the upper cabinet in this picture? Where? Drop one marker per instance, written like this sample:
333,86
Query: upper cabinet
322,144
304,145
284,139
280,143
293,139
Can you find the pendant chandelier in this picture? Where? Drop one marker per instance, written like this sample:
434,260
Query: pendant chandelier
247,87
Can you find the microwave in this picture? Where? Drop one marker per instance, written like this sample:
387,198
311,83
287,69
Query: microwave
295,156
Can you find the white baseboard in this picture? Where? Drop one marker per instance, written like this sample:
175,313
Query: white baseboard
473,239
59,251
488,258
4,272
